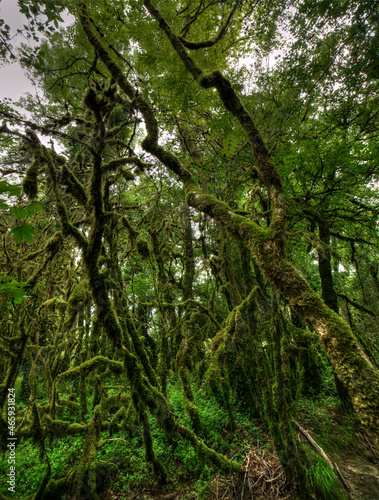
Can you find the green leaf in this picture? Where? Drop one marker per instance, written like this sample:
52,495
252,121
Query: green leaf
14,289
24,232
16,295
9,188
3,277
28,211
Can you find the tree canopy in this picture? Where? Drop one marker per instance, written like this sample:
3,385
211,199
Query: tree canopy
174,206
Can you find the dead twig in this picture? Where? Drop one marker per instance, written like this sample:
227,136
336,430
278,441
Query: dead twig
322,453
263,477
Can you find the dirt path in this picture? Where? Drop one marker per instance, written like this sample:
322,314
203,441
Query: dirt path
362,476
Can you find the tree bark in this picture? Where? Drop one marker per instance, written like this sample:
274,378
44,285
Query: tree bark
267,246
325,269
330,297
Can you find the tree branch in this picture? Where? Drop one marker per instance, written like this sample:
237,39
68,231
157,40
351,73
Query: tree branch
357,306
210,43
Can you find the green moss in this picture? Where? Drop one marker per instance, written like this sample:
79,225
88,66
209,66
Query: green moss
83,480
115,367
92,101
143,249
138,345
120,415
61,428
56,490
149,450
97,392
208,455
83,396
189,403
30,182
78,295
36,429
74,186
159,406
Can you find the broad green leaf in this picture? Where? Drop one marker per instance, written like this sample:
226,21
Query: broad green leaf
9,188
3,277
24,232
16,295
28,211
14,289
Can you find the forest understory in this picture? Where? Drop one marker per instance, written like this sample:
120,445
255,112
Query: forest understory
125,475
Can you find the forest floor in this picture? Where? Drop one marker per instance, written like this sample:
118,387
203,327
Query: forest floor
336,431
348,447
338,434
362,477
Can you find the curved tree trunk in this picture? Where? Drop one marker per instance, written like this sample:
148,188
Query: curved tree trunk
267,246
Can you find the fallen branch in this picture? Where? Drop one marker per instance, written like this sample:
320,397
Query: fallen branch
245,475
321,452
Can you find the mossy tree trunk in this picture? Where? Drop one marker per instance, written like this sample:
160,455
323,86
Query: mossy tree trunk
268,246
113,328
185,355
329,295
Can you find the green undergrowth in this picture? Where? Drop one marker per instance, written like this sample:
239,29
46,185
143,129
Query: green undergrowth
331,426
335,428
63,454
323,480
125,450
184,469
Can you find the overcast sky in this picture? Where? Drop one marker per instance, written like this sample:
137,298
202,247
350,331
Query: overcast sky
13,81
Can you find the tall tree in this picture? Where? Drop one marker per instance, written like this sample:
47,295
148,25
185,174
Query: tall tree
192,210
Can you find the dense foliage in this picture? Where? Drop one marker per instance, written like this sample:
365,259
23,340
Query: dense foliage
175,213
